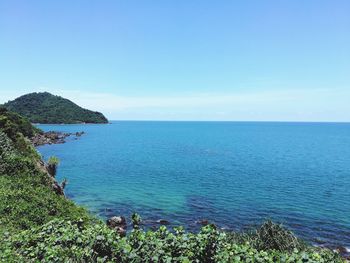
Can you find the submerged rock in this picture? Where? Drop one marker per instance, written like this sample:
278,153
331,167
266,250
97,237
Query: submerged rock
78,134
202,222
342,250
163,222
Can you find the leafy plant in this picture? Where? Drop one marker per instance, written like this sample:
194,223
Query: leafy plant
72,241
136,220
274,236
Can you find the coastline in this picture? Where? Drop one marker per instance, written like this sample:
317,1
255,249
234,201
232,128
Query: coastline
344,249
40,224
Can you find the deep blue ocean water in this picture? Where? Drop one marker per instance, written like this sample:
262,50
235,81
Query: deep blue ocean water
235,174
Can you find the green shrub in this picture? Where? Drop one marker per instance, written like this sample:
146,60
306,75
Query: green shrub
12,123
136,220
60,241
273,236
13,161
53,160
28,201
73,241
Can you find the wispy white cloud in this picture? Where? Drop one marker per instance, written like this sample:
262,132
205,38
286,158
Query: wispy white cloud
289,105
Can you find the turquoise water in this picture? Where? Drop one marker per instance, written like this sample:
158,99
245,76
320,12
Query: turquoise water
235,174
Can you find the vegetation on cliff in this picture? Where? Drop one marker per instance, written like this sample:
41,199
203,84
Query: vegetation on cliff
39,225
27,198
47,108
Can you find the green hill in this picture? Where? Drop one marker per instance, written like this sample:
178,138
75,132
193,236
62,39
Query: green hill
47,108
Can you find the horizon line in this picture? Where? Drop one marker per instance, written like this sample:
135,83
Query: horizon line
242,121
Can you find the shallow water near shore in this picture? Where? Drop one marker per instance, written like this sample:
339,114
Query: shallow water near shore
234,174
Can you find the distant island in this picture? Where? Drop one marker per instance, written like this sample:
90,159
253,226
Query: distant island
46,108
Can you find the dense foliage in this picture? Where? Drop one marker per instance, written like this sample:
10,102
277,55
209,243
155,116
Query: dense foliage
12,124
68,241
15,131
26,196
37,225
47,108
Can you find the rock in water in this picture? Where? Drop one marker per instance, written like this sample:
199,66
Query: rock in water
53,137
163,222
78,134
342,250
118,223
202,222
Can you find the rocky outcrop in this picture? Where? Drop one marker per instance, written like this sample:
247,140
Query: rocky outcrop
118,223
78,134
51,169
52,137
57,187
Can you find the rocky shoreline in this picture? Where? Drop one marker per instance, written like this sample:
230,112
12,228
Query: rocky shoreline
53,137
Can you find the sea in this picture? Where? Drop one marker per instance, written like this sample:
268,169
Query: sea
233,174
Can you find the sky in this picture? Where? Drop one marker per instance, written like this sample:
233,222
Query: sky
244,60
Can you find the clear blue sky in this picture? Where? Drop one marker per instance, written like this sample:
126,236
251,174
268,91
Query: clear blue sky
182,59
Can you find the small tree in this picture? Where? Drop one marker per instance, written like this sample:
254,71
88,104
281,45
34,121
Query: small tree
52,164
272,236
